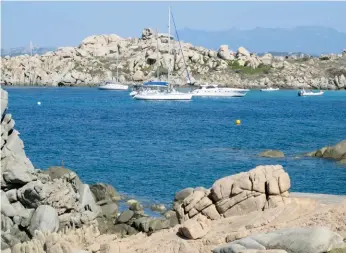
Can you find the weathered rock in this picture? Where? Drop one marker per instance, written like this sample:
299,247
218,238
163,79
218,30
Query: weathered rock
337,152
158,208
45,219
103,191
224,53
195,228
243,51
272,153
293,240
181,195
138,76
6,208
12,195
57,172
125,216
109,209
87,201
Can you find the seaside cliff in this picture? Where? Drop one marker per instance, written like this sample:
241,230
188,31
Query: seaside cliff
252,212
94,61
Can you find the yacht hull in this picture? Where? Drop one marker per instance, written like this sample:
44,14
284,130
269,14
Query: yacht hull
308,94
163,96
114,87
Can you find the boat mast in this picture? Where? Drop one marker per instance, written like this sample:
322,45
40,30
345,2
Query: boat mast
157,54
169,45
117,66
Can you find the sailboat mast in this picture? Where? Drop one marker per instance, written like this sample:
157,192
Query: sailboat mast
157,54
117,65
169,45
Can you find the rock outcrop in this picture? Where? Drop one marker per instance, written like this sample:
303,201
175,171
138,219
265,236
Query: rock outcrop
261,188
272,154
292,240
34,200
336,152
94,61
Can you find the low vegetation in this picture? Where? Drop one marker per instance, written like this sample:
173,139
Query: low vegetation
261,69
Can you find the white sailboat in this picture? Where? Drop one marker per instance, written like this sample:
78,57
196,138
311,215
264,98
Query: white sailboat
270,89
304,93
212,90
111,85
169,93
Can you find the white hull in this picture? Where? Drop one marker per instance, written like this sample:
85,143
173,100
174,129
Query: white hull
164,96
114,86
310,93
217,92
133,93
270,89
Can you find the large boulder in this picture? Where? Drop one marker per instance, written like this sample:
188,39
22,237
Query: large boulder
243,52
138,76
64,173
45,219
293,240
261,188
103,191
272,154
336,152
6,208
195,228
224,53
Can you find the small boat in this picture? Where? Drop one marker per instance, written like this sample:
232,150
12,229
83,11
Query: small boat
111,85
212,90
270,89
304,93
108,85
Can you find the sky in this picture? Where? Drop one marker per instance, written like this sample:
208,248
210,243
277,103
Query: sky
55,24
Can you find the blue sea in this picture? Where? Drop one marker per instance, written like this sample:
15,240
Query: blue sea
149,150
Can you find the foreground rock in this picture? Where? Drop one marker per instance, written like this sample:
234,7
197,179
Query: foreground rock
195,228
259,189
292,240
336,152
272,154
33,200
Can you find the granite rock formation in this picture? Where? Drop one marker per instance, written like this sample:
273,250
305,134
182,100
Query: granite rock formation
94,61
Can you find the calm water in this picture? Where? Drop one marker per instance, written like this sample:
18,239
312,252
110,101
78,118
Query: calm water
152,149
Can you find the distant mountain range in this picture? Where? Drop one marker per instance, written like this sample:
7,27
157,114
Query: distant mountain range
25,50
313,40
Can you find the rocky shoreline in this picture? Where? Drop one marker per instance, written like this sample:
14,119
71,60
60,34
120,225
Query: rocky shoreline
94,61
54,211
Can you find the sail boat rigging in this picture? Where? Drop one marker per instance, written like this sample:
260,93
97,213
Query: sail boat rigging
170,93
110,85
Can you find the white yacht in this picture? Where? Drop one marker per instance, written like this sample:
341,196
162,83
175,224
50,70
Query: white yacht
212,90
114,85
270,89
304,93
109,85
166,91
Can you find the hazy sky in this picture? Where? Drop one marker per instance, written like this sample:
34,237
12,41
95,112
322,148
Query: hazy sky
67,23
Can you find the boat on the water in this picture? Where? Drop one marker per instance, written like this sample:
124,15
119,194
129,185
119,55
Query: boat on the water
212,90
114,85
304,93
109,85
165,90
270,89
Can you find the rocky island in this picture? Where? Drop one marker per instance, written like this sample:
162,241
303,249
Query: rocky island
94,61
252,212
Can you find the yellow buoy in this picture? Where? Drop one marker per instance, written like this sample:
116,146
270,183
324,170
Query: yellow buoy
238,122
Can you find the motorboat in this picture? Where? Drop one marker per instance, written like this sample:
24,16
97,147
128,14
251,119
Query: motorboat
213,90
108,85
270,89
304,93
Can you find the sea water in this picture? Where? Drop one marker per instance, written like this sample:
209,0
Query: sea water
151,149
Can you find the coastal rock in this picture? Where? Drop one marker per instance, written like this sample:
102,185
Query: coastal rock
293,240
272,153
158,208
195,228
125,216
59,172
138,76
103,191
181,195
224,53
45,219
6,208
243,51
337,152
